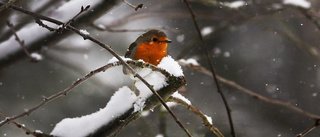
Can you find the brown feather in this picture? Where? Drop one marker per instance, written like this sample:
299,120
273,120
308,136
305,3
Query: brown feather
131,51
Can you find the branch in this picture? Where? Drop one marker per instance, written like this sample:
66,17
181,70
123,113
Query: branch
252,93
26,130
21,42
40,23
195,110
133,6
316,124
72,20
174,83
113,127
204,46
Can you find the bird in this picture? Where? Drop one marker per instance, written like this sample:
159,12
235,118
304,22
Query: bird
151,47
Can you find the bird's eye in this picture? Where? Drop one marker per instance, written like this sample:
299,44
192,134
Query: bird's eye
154,39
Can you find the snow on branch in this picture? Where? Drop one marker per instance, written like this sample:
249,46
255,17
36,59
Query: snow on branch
124,106
207,121
85,125
300,3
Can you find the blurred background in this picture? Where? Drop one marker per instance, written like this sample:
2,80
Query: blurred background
269,47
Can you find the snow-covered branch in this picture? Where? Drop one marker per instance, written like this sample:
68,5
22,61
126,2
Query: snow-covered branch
207,121
124,106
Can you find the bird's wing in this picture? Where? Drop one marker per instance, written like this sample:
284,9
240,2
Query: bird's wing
132,50
130,54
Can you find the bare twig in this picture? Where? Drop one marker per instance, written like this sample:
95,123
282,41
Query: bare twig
72,20
133,6
26,130
86,36
316,124
194,109
40,23
211,68
21,42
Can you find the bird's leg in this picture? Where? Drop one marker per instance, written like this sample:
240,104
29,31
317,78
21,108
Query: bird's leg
135,89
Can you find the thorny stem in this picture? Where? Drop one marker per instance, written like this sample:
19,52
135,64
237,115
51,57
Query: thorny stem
86,36
211,68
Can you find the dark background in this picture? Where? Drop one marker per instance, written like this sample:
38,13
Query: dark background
261,46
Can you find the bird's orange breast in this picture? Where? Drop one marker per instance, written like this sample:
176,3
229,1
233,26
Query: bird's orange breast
151,52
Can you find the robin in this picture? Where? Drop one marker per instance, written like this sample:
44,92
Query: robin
151,47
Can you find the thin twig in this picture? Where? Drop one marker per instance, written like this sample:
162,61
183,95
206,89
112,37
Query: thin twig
211,68
199,113
26,130
87,36
315,125
21,42
40,23
72,20
133,6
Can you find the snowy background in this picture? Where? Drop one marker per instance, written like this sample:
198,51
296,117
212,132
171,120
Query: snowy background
259,45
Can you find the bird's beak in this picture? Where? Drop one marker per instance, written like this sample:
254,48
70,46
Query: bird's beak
167,41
